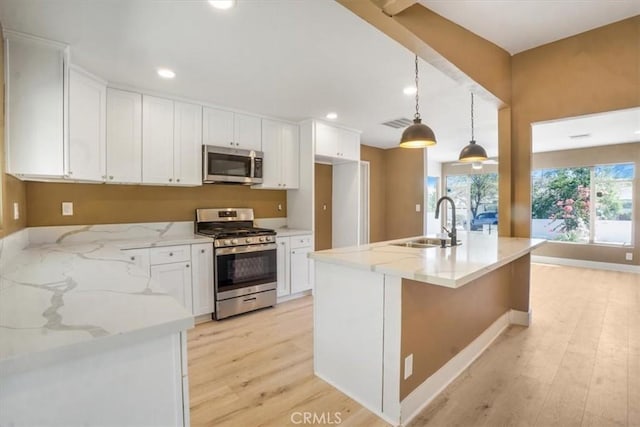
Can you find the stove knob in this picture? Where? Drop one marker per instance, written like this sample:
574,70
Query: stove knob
261,239
248,240
234,241
268,238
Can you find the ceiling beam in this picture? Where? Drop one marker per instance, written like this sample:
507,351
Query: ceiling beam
457,52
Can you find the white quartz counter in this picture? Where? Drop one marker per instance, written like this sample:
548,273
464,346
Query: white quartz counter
58,298
450,267
287,232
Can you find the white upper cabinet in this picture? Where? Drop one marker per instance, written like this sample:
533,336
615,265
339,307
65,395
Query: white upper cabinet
281,147
227,129
187,144
157,140
87,126
35,99
336,144
124,136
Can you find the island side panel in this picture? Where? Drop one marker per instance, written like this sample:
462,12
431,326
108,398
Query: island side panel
521,284
348,311
439,322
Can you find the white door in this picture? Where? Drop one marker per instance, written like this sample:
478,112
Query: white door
326,140
202,278
187,144
124,136
140,257
282,267
290,156
87,127
300,277
364,203
349,144
217,127
248,133
157,140
175,279
271,167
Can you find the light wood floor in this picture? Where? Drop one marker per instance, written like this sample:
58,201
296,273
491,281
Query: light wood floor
578,364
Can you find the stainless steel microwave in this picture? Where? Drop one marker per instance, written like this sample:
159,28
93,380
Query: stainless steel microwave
231,165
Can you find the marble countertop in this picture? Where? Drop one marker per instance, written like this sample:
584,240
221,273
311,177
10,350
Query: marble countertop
450,267
70,290
286,232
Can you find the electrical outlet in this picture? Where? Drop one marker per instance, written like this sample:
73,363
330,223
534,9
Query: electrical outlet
418,208
628,256
279,206
16,210
67,208
408,366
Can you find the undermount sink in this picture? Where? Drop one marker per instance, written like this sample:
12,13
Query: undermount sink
425,242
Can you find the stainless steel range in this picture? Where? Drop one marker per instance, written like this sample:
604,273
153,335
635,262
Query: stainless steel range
244,260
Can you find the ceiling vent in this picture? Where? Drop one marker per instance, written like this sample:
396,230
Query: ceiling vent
398,123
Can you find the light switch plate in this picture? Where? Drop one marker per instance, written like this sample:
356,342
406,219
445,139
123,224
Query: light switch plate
629,256
16,210
418,208
408,366
67,208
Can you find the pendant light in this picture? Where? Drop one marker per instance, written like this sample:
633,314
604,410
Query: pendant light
472,152
417,135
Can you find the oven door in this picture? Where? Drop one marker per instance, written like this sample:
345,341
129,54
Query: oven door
220,164
244,270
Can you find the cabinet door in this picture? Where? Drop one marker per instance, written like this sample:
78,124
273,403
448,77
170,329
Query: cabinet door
87,127
326,140
271,167
187,144
282,268
175,280
300,273
349,144
124,136
202,278
290,156
35,83
140,257
247,132
217,127
157,140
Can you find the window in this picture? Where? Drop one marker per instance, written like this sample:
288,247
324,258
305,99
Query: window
476,199
563,209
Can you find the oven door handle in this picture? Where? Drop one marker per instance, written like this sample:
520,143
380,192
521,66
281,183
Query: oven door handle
245,249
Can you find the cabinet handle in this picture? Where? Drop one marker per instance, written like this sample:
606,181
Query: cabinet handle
178,180
237,144
231,143
187,265
70,173
110,176
201,251
104,176
170,180
133,258
170,253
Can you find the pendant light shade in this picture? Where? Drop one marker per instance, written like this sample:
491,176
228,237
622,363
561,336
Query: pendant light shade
418,135
472,152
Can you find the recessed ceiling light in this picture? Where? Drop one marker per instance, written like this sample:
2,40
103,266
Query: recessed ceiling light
409,90
222,4
166,73
332,116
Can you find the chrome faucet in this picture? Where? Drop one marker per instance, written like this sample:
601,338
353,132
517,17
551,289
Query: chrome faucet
453,233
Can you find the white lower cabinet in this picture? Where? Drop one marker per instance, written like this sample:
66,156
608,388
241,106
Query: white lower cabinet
202,278
294,267
184,271
176,280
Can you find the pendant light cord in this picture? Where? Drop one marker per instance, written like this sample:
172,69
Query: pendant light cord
417,115
472,138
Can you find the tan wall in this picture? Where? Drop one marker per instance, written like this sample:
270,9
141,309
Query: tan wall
404,190
377,192
591,72
323,197
111,204
438,322
11,189
620,153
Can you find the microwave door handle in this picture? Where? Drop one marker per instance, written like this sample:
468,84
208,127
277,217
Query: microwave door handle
253,168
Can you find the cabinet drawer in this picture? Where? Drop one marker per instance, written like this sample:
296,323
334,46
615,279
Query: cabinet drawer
169,254
300,241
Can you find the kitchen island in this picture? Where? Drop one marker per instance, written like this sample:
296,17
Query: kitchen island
393,325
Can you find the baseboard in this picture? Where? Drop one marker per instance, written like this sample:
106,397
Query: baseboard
626,268
294,296
517,317
419,398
